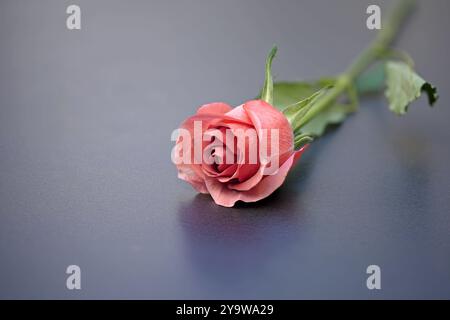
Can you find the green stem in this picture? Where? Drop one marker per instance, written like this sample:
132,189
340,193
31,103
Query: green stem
373,52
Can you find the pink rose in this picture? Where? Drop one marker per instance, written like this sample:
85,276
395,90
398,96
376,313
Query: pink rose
214,157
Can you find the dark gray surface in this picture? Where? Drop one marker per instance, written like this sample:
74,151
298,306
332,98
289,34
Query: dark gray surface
86,176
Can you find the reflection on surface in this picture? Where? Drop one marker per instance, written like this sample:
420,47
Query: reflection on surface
412,167
227,245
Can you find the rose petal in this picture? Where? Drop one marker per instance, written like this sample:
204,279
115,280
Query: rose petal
186,173
214,108
226,197
264,116
239,113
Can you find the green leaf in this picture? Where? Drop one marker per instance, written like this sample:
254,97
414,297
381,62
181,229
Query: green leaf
302,139
295,111
267,90
373,80
404,86
287,94
334,114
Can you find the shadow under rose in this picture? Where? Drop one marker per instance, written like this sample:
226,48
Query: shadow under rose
228,246
225,246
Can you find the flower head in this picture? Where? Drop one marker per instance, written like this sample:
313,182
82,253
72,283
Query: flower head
241,153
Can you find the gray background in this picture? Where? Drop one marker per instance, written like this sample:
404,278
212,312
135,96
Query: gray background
86,176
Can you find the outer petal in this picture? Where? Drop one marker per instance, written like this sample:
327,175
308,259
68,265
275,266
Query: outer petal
240,114
270,183
214,108
190,171
264,116
186,173
226,197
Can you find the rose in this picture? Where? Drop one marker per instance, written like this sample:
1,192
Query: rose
209,158
255,166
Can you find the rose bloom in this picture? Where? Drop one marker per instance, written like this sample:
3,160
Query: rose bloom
228,169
